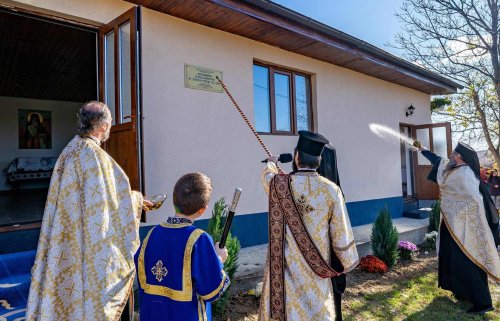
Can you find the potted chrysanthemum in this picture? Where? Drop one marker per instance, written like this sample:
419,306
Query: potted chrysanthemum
407,250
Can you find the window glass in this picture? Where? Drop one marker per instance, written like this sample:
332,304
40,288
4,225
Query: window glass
280,104
423,137
302,102
125,78
439,142
109,72
261,102
282,101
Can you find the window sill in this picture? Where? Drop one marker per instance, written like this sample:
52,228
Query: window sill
278,134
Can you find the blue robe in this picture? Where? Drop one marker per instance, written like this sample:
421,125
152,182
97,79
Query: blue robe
179,273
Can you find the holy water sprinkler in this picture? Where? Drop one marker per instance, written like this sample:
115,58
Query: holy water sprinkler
390,135
230,215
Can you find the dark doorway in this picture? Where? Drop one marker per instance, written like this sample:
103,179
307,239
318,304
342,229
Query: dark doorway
50,68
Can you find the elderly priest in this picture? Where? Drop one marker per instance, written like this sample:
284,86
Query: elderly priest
84,266
468,235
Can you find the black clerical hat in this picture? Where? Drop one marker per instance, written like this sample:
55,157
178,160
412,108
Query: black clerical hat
469,156
311,143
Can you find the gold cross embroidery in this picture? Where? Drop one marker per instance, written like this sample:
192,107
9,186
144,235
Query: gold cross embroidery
71,289
60,258
94,190
159,270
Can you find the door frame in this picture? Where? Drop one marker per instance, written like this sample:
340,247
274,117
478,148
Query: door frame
133,15
420,170
66,19
413,196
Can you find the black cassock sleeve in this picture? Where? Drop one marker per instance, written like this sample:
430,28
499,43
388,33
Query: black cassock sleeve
435,161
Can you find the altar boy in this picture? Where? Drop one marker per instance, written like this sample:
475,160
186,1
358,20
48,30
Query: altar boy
179,269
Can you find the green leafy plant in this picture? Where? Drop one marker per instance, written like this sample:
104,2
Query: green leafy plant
384,238
435,216
215,228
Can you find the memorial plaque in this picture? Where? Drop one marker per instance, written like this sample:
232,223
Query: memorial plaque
202,78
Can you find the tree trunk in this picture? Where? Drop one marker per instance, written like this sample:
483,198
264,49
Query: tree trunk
482,117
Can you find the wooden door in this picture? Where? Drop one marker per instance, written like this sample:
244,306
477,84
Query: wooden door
119,89
436,138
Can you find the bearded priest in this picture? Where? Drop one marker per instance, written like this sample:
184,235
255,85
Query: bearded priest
468,234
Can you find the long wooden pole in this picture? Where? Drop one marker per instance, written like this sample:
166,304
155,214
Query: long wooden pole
249,124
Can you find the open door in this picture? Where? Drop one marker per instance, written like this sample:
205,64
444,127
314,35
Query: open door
119,89
437,138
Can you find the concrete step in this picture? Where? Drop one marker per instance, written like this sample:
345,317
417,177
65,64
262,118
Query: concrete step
419,213
252,260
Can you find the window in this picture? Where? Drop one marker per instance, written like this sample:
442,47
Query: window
282,100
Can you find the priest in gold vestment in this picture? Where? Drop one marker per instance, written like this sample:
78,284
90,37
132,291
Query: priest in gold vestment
308,230
468,233
84,266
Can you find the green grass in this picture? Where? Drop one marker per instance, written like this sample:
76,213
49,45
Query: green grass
418,299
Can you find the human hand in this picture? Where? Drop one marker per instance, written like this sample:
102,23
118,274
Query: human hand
417,144
221,253
147,205
273,158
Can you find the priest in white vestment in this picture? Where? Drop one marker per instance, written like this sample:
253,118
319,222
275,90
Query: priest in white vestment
468,233
84,266
308,230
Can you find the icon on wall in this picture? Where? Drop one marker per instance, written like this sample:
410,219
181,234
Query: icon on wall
35,129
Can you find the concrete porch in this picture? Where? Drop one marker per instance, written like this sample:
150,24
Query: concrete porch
252,260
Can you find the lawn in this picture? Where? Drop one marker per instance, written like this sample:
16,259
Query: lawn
407,292
417,299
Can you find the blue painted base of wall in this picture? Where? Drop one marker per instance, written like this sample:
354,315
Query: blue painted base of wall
250,229
365,212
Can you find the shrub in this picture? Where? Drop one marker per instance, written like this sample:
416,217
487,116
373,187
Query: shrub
384,238
215,228
407,250
435,216
372,264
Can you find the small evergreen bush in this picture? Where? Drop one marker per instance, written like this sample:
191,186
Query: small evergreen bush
384,238
215,228
435,216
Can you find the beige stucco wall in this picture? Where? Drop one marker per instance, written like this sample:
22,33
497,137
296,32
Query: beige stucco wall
102,11
190,130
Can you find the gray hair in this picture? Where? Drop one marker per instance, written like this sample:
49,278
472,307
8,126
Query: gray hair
92,115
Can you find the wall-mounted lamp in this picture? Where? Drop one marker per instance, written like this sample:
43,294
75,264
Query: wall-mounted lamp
410,110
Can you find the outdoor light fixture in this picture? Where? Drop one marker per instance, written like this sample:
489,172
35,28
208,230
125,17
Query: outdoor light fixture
410,110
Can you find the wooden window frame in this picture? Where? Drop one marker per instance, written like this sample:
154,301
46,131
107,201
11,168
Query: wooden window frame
114,26
272,70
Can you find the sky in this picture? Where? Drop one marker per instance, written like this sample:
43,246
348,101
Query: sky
372,21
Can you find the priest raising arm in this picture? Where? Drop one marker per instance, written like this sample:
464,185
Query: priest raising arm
468,234
84,265
310,238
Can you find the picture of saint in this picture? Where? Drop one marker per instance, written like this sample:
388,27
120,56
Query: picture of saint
35,129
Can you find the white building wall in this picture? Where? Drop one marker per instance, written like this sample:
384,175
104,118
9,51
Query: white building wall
190,130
